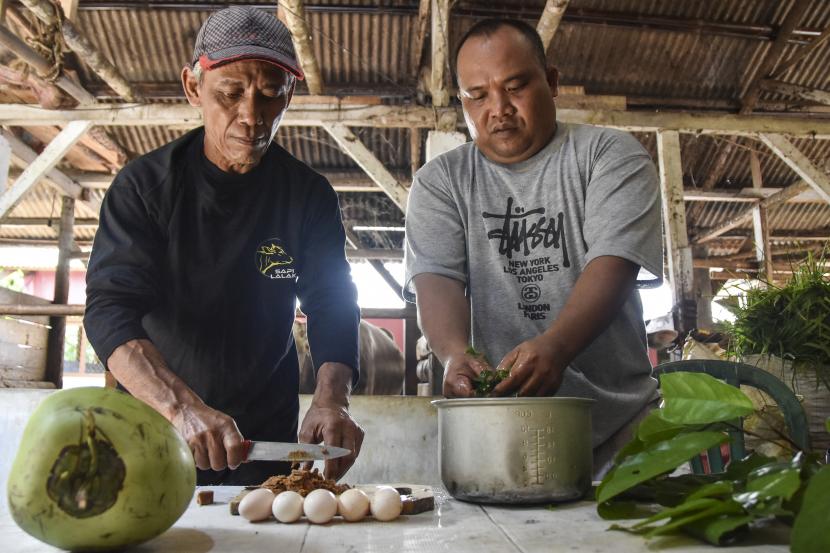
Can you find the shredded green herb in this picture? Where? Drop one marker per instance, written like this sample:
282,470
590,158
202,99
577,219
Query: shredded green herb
488,378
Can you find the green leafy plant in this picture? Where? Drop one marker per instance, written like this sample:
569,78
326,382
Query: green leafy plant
791,321
717,508
488,378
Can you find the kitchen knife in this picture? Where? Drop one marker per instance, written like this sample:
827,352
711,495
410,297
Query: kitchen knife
286,451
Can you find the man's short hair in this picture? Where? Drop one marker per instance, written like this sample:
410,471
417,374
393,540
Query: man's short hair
487,27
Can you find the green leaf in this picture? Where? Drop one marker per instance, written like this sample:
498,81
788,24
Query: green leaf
781,484
810,532
720,530
633,447
722,488
691,506
656,459
654,428
740,469
622,510
717,510
697,398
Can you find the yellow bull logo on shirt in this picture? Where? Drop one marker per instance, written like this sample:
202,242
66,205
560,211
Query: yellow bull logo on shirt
273,261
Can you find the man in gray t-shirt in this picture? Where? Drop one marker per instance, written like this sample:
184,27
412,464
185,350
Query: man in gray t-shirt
528,241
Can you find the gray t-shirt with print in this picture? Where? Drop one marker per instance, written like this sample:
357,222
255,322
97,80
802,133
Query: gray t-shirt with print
520,236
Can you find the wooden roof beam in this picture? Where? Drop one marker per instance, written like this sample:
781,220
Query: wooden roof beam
796,91
44,163
54,178
367,161
550,19
799,163
746,215
773,54
295,19
185,116
41,66
77,41
802,53
440,36
420,35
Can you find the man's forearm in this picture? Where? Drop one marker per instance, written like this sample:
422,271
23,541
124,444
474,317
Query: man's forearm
139,366
334,385
595,301
443,314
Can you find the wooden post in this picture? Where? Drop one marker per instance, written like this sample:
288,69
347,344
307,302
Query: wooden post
439,142
550,19
411,335
760,228
57,331
295,20
81,349
440,52
414,150
674,224
704,295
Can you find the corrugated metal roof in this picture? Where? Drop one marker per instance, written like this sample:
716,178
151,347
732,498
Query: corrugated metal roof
703,51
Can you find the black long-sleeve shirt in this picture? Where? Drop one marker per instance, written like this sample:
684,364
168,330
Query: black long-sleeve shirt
208,266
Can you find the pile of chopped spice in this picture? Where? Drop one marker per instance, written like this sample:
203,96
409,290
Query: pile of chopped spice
303,482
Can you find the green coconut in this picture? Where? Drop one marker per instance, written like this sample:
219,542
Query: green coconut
98,470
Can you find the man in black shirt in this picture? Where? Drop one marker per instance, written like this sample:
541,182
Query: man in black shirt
203,248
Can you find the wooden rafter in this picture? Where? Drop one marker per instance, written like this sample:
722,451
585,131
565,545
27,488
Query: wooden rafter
367,161
420,35
41,166
81,45
802,53
796,91
5,161
28,54
295,20
799,163
353,240
70,9
773,54
440,36
184,116
550,19
746,215
54,178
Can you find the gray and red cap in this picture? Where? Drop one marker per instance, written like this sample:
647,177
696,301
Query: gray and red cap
245,33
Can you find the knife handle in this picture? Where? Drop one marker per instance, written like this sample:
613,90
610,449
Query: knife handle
246,449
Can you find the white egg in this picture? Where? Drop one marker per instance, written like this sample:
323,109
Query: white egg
287,506
256,505
320,506
386,503
353,505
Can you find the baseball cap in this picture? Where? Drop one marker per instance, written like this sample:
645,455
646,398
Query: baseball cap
244,33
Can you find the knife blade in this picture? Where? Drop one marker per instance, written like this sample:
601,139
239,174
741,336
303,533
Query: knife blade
287,451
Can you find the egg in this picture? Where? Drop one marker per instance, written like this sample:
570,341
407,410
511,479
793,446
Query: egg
353,505
256,505
320,506
386,503
287,506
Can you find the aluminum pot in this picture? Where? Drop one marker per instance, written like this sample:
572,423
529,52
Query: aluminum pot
515,450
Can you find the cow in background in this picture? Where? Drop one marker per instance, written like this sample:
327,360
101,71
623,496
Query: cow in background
381,362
